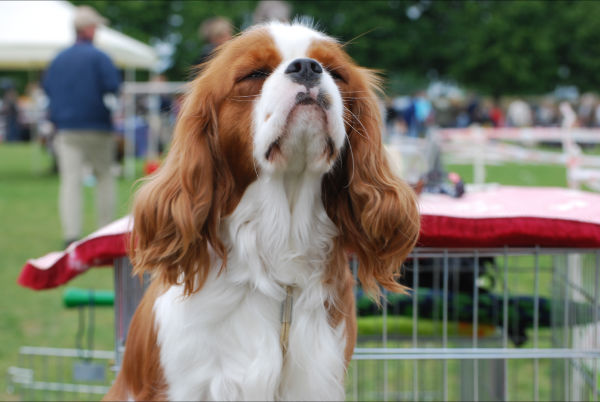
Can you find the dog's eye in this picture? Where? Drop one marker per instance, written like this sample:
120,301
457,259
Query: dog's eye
335,74
256,75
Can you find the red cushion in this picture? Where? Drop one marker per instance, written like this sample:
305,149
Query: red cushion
496,217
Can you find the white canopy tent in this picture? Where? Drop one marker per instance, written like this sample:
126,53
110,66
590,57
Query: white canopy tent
33,32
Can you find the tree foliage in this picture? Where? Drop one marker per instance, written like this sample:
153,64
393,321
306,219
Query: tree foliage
495,47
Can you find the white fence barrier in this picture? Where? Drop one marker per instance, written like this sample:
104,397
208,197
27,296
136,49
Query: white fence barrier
481,146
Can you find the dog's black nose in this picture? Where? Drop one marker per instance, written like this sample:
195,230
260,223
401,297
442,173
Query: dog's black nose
306,72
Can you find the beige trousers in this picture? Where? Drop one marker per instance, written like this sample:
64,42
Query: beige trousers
76,149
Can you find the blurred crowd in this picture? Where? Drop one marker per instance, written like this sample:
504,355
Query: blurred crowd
22,115
413,115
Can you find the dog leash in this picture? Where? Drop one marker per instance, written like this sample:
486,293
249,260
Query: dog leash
286,318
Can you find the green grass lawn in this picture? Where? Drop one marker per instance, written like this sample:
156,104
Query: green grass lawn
517,175
31,228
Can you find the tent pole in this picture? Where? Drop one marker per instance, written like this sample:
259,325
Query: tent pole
33,133
129,126
155,122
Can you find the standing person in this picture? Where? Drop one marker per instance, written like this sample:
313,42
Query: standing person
423,113
10,110
496,113
76,83
215,31
272,10
519,114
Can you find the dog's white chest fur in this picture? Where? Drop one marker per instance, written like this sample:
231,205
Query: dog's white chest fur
223,343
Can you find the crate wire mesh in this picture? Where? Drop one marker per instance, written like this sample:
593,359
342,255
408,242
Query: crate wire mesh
532,335
56,374
129,290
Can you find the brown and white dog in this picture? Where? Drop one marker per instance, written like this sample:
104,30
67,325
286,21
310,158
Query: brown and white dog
276,171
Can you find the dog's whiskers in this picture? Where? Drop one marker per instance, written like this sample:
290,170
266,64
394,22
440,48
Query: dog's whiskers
359,122
352,158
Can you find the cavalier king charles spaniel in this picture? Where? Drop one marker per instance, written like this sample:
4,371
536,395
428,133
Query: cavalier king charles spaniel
276,173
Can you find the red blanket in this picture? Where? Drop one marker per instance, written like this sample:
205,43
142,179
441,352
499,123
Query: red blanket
494,217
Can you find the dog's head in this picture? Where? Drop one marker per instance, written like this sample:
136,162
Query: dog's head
277,99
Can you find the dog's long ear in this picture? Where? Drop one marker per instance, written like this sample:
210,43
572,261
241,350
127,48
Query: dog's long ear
177,210
375,211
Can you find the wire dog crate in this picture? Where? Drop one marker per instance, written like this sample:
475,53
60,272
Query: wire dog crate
531,335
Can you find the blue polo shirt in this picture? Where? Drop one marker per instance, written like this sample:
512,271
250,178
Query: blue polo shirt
76,82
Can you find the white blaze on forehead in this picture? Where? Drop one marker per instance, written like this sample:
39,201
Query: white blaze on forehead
302,139
293,41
